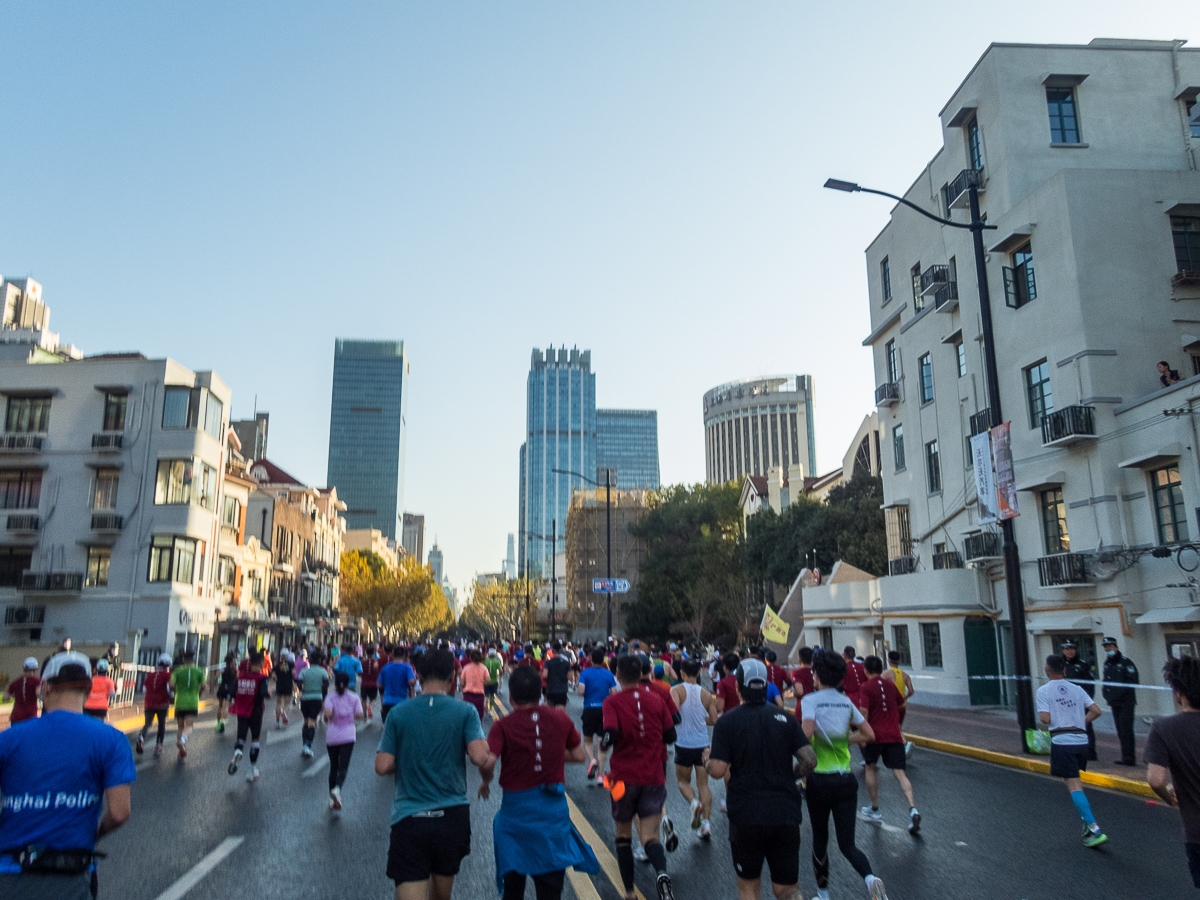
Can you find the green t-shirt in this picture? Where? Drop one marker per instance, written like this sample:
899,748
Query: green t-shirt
187,681
311,681
493,665
832,714
428,735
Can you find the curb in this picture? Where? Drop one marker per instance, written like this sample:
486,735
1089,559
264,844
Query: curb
130,724
1114,782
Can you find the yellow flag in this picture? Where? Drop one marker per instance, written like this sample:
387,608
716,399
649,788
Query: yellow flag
774,628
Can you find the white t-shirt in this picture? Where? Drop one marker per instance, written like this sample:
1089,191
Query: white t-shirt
1067,704
832,714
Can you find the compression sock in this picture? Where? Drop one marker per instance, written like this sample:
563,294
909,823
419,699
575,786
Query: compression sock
657,855
625,862
1085,809
238,747
253,752
821,871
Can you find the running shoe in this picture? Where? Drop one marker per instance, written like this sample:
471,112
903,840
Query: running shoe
877,891
370,712
695,814
663,883
278,725
670,839
158,749
306,751
908,749
252,773
221,727
723,807
593,769
1095,838
233,763
914,821
869,814
285,721
335,797
705,830
639,854
141,744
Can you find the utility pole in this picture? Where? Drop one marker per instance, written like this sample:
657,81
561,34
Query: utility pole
553,575
608,542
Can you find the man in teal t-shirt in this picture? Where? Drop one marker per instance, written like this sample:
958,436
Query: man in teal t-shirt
424,744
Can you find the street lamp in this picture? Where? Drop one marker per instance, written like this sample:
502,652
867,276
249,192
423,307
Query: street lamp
1012,561
607,532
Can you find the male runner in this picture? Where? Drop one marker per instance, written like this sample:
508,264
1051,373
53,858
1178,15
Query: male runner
226,689
495,666
188,682
726,688
24,692
880,703
776,674
802,677
350,664
157,686
856,674
697,710
556,674
596,683
1067,710
1173,749
396,681
372,665
314,686
285,674
253,689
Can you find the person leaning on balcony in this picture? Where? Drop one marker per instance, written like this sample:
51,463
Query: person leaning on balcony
1166,374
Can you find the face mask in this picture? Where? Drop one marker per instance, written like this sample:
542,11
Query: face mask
1110,653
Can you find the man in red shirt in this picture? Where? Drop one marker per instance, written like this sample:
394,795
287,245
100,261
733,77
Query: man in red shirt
802,678
637,726
158,700
777,675
24,692
726,689
372,664
856,675
881,703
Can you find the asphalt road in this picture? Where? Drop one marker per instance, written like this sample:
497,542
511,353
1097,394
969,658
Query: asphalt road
987,832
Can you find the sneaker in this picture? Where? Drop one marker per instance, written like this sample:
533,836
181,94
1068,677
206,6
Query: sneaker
141,744
914,821
285,721
252,774
593,769
1087,829
307,751
640,855
1124,762
695,814
723,807
663,883
278,725
370,712
158,749
1095,838
870,814
705,829
877,891
233,763
221,727
670,839
335,798
182,751
183,740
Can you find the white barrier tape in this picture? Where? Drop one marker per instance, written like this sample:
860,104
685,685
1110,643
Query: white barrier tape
1143,687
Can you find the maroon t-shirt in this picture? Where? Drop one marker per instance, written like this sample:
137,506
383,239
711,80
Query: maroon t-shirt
727,691
856,677
157,695
370,673
640,717
24,692
881,700
777,676
804,679
531,744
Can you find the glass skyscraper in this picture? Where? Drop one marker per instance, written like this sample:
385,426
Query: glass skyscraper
560,433
627,443
366,432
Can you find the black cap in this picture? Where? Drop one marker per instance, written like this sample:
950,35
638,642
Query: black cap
1109,640
1068,644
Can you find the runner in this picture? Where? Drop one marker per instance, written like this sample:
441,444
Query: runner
532,832
831,789
777,675
349,663
1067,710
226,690
856,674
285,674
881,703
103,690
314,685
372,665
157,686
696,712
495,666
802,677
253,689
24,692
595,684
1173,748
474,679
726,688
342,707
637,726
188,682
396,681
557,672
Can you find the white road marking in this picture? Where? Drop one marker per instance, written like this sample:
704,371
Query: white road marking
893,829
315,767
193,875
959,844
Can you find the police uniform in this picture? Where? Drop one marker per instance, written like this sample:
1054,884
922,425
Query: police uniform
1081,672
1120,670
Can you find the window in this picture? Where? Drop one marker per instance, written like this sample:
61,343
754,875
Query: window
20,488
173,483
901,645
27,415
214,409
1037,392
231,513
1064,123
974,147
1019,284
226,571
931,644
14,561
1169,513
933,467
1054,522
893,364
97,566
1193,124
1185,232
172,558
925,367
960,355
898,447
114,411
180,407
918,300
885,278
208,487
256,584
104,491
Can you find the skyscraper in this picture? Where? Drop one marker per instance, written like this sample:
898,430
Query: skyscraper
627,443
366,432
413,536
757,424
560,433
435,563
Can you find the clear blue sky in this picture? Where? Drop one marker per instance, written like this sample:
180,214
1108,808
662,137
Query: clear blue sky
234,185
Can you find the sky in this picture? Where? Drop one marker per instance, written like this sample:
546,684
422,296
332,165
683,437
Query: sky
235,185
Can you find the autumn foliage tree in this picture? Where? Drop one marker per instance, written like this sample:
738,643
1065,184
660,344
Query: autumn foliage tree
496,610
395,603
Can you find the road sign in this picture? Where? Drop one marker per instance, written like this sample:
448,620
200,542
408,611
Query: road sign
610,586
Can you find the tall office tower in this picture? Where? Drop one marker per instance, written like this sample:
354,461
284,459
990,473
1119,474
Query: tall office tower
627,443
435,562
366,432
560,433
757,424
413,536
252,434
510,560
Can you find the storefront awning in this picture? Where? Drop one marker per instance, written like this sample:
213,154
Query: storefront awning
1171,614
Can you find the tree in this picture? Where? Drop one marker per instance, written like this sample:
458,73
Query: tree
404,601
496,610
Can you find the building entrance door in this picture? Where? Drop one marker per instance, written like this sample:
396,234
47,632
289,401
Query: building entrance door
979,637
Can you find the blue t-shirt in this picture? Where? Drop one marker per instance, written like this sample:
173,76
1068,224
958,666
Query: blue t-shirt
350,665
393,680
429,738
772,692
54,771
597,681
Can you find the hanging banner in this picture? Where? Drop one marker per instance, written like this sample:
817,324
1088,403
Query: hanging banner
1006,485
985,486
774,628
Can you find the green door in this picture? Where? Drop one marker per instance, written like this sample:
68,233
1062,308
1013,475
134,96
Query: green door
979,636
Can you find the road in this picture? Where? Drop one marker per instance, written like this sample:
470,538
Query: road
988,832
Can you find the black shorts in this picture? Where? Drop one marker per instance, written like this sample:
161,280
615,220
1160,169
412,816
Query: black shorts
384,709
311,709
182,714
430,843
224,693
891,754
692,756
779,845
556,698
489,690
1068,760
641,800
370,691
592,720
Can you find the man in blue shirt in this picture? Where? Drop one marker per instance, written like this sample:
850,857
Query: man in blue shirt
51,816
595,683
396,681
349,664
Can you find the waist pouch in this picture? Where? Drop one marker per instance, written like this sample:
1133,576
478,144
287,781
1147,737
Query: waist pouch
1067,729
37,860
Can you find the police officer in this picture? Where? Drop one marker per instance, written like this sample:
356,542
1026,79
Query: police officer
1081,672
1119,670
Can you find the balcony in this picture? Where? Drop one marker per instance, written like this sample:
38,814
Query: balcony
27,524
933,279
981,422
984,546
107,441
63,582
956,191
1063,570
25,616
951,559
1067,426
21,443
1185,278
902,565
946,298
887,394
107,522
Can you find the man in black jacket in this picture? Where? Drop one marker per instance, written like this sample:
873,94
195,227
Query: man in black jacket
1083,673
1119,670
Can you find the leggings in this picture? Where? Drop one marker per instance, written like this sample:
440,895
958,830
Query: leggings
548,886
339,763
162,723
836,794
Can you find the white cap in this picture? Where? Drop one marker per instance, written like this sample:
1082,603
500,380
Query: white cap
31,663
164,659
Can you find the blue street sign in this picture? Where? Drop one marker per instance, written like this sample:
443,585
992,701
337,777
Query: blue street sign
610,586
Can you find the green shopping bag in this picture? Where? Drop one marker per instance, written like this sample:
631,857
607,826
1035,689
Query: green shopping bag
1037,741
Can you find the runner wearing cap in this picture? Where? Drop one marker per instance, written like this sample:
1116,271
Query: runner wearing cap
253,689
188,682
157,687
103,690
24,692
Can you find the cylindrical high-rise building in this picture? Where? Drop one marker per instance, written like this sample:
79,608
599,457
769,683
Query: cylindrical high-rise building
757,424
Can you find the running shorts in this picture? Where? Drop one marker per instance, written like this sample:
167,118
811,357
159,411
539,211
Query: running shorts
223,693
694,756
642,800
592,720
311,709
429,843
556,698
384,709
489,690
1068,760
370,691
891,754
779,845
182,714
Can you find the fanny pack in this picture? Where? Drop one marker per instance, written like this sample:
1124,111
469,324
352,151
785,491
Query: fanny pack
35,859
1067,729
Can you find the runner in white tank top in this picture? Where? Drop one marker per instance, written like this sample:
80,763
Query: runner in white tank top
697,711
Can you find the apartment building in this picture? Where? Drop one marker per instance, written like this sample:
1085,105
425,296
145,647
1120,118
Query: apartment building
1086,162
